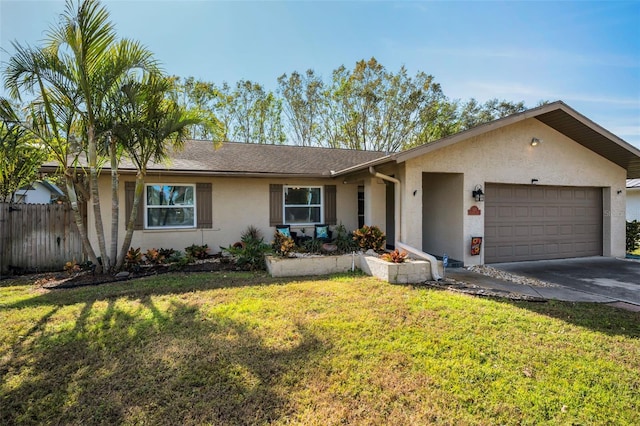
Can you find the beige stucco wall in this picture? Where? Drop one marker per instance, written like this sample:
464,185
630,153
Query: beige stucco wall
443,214
374,202
237,203
506,156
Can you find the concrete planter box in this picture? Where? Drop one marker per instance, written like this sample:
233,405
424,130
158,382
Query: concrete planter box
311,265
410,271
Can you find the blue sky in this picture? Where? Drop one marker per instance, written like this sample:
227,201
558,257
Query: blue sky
584,53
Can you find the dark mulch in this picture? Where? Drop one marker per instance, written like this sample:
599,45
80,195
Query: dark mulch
59,280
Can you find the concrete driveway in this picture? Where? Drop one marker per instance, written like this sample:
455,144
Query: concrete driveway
613,278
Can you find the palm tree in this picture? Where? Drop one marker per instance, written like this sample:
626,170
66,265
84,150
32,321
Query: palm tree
76,73
149,124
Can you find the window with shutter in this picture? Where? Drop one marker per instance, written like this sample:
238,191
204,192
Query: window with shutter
275,204
204,207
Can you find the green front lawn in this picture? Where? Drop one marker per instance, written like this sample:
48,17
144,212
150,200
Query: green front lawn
247,349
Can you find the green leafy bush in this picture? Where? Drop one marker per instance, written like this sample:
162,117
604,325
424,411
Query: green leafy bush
344,240
166,253
312,245
370,238
251,251
197,252
633,236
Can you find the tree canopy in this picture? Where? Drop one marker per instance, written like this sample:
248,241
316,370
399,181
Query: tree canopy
367,108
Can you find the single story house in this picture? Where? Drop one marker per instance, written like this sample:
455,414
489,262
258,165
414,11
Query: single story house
38,192
633,199
546,183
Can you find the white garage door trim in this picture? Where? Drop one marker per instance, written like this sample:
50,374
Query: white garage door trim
536,222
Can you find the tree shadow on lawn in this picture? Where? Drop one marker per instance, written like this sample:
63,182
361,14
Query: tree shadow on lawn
594,316
172,283
176,365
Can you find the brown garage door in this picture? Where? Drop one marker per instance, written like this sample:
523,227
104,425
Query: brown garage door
532,222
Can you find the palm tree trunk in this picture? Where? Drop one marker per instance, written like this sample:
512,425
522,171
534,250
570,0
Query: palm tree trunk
126,243
114,200
77,215
92,155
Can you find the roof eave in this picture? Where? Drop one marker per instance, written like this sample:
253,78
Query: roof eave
363,166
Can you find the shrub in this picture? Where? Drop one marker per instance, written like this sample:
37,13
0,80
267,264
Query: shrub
250,253
179,260
197,252
312,246
251,233
72,266
133,258
282,244
633,235
394,256
344,240
369,238
166,253
153,256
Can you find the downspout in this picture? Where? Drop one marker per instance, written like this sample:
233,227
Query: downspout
397,213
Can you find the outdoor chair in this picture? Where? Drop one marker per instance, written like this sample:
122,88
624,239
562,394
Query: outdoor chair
287,232
323,233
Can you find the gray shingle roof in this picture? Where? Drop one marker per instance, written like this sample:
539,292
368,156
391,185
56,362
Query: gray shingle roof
233,158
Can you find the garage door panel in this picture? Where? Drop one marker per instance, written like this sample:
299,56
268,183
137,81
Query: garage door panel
537,249
536,230
565,230
537,211
536,193
521,231
524,222
551,194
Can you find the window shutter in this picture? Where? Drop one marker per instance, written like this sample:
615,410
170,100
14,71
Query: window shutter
275,205
204,208
330,216
129,194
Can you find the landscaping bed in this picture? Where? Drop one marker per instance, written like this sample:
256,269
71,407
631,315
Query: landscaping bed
52,280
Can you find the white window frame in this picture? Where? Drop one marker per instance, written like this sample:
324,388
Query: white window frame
285,205
194,206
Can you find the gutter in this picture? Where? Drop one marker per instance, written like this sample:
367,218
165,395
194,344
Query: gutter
433,262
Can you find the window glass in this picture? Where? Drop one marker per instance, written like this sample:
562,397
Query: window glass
170,206
302,196
169,195
302,205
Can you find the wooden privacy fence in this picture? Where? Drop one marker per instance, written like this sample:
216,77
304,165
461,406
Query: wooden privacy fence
38,237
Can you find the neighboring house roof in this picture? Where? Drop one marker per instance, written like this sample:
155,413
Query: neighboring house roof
52,188
633,183
556,115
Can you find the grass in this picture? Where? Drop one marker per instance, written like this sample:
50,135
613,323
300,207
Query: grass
232,348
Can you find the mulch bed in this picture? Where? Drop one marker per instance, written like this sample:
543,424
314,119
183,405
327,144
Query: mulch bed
60,280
